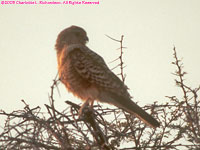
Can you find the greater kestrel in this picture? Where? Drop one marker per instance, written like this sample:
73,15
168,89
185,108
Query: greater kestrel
86,75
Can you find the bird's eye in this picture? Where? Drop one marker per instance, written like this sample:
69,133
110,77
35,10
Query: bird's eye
77,34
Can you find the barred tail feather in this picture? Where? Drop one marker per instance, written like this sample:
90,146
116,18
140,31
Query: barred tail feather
128,105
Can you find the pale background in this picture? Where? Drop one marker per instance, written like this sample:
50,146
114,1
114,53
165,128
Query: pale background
151,29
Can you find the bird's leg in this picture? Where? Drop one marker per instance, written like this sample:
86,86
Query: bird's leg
85,104
91,104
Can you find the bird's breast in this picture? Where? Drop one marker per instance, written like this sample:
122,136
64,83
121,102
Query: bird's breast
74,83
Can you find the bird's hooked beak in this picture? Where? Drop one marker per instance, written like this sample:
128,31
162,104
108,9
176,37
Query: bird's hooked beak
86,39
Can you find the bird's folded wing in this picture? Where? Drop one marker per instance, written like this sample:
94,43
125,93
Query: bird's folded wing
92,67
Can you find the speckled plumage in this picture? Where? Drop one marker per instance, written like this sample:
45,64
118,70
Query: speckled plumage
86,75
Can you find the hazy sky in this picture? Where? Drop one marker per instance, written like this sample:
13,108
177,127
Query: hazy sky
150,28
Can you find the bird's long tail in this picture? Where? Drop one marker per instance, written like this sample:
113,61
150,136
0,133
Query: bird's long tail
128,105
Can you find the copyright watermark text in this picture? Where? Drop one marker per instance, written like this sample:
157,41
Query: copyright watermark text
42,2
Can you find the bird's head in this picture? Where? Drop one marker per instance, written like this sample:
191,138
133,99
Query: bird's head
71,35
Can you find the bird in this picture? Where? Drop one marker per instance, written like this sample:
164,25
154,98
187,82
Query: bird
86,75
